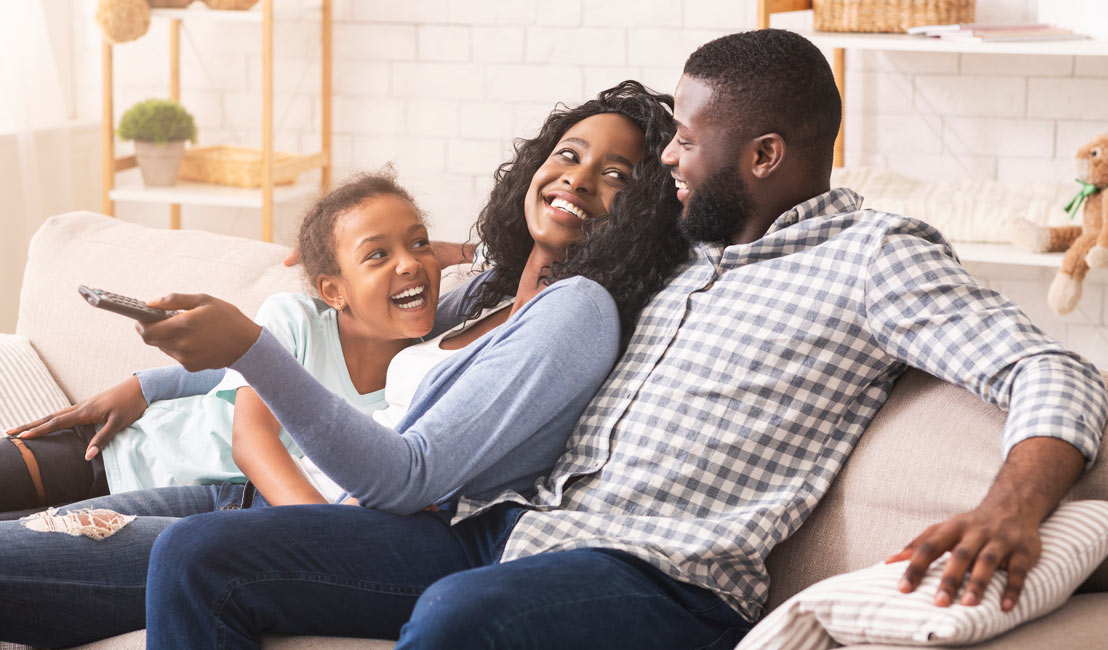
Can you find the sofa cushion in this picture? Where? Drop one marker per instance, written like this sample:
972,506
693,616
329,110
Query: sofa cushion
866,607
929,454
90,349
27,390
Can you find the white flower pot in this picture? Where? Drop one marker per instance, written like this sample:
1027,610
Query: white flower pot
159,163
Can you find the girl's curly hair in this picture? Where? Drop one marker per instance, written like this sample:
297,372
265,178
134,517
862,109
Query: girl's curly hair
317,230
631,250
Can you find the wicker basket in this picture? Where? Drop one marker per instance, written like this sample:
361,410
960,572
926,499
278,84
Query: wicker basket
168,4
888,15
237,166
230,4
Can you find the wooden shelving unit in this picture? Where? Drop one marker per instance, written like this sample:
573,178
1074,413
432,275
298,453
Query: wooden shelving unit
840,42
264,198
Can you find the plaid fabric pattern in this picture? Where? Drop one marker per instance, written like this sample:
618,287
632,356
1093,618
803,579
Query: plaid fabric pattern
750,378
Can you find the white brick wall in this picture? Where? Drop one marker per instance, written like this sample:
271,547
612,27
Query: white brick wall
441,87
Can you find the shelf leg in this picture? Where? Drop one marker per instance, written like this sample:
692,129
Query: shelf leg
175,59
840,81
267,120
175,95
107,133
325,127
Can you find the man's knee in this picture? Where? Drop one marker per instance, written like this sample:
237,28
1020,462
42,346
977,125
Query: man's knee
461,610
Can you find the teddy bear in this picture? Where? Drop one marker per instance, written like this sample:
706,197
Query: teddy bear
1086,246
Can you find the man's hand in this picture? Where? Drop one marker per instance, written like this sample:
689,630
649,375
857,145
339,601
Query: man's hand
116,408
449,254
211,333
1002,532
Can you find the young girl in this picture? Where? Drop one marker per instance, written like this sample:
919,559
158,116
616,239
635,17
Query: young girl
366,251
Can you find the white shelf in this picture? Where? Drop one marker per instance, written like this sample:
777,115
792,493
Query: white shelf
186,193
252,15
906,43
1005,254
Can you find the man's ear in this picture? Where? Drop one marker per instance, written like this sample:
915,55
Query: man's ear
769,155
330,289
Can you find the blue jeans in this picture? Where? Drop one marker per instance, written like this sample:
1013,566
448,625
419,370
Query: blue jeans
223,580
57,590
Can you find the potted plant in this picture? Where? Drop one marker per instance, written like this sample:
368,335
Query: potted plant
159,128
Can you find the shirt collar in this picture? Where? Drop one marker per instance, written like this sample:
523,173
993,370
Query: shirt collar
837,201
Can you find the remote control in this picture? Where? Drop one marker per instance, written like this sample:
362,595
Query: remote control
129,307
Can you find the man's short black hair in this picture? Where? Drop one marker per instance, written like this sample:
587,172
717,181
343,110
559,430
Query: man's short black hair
772,81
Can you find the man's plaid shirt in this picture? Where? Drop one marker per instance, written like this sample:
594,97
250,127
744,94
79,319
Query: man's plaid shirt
751,376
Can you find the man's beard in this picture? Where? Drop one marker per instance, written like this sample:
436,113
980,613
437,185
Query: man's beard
719,208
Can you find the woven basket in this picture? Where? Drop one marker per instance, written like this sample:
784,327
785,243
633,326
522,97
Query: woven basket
230,4
237,166
168,4
888,15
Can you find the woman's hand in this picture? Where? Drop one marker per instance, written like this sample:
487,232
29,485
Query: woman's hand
116,408
211,333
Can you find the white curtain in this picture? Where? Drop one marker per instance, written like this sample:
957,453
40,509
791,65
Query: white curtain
36,174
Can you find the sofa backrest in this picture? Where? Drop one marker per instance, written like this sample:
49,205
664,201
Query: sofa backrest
89,349
930,453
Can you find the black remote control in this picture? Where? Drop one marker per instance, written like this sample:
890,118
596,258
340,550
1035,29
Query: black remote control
129,307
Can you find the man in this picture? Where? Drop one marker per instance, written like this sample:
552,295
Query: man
748,381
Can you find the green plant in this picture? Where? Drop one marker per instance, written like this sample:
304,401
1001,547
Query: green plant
157,120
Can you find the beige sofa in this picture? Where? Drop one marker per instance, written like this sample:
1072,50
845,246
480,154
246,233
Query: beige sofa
930,453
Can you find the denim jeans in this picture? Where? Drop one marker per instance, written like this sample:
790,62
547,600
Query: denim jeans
57,590
348,571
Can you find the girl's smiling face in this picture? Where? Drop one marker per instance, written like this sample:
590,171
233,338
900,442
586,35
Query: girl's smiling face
589,165
388,282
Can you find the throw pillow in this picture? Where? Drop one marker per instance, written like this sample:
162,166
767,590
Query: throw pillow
866,607
27,389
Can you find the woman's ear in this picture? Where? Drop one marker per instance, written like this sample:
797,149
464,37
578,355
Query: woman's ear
330,289
769,155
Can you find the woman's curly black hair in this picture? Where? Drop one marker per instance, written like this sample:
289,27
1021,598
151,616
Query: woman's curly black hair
631,250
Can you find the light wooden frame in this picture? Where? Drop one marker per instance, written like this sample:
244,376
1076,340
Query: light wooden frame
767,8
110,165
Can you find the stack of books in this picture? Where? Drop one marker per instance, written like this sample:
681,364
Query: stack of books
997,33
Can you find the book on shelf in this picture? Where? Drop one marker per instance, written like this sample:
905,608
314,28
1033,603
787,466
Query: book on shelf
989,32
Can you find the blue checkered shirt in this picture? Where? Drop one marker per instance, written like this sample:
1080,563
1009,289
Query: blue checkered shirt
750,378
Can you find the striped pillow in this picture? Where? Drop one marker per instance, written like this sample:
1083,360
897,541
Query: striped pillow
866,607
27,389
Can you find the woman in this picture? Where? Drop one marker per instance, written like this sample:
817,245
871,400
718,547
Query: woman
572,224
